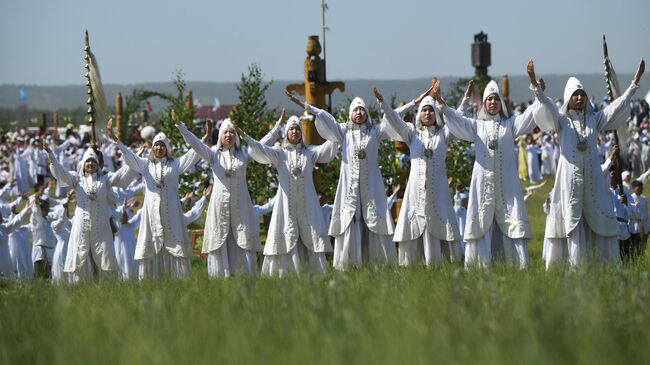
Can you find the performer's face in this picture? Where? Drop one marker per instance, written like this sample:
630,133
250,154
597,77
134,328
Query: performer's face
578,100
90,166
159,150
493,104
359,115
228,137
427,116
294,135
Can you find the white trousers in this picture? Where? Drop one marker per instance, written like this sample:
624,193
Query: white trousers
230,258
359,245
164,264
494,245
581,245
296,261
426,247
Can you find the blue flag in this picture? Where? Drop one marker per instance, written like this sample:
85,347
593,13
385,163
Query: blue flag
22,94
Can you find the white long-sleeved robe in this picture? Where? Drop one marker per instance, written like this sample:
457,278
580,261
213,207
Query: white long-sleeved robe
495,192
162,217
230,209
125,247
91,232
427,201
360,181
579,190
61,227
7,268
296,213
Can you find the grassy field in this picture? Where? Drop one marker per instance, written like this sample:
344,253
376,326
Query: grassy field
404,315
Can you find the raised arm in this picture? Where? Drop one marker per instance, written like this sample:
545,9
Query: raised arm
196,211
195,143
190,158
267,208
259,152
525,122
14,222
63,176
325,152
326,125
462,127
396,129
135,162
465,106
618,111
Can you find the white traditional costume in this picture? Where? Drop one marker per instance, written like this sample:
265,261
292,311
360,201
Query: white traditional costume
297,234
90,247
163,245
361,223
497,222
427,226
581,217
232,233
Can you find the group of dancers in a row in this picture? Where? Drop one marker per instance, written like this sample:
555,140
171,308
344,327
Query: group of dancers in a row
581,224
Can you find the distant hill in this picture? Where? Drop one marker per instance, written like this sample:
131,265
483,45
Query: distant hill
72,96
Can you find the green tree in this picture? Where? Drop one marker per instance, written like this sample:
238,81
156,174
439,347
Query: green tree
185,112
252,116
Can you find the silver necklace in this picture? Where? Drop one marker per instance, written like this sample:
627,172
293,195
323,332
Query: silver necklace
92,187
580,129
493,140
230,170
158,176
359,148
428,150
294,165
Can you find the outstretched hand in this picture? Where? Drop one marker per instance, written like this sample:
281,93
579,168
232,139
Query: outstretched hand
44,147
639,72
239,131
531,72
396,188
109,129
141,150
207,191
614,153
208,129
294,99
174,117
378,95
435,91
282,116
470,89
423,95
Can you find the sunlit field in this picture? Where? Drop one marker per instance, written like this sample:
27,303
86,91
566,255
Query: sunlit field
374,315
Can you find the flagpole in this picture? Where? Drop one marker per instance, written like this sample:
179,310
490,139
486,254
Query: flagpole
90,102
610,97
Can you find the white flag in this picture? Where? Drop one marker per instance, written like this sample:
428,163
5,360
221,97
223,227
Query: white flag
217,104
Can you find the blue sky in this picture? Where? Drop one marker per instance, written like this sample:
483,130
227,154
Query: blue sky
140,41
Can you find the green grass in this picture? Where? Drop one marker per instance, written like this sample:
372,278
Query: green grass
399,316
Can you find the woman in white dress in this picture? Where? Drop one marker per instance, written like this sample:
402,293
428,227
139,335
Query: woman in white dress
90,248
497,222
61,227
361,224
232,232
427,226
581,219
297,235
7,267
163,247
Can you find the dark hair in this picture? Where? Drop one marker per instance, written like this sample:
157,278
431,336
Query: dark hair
637,184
